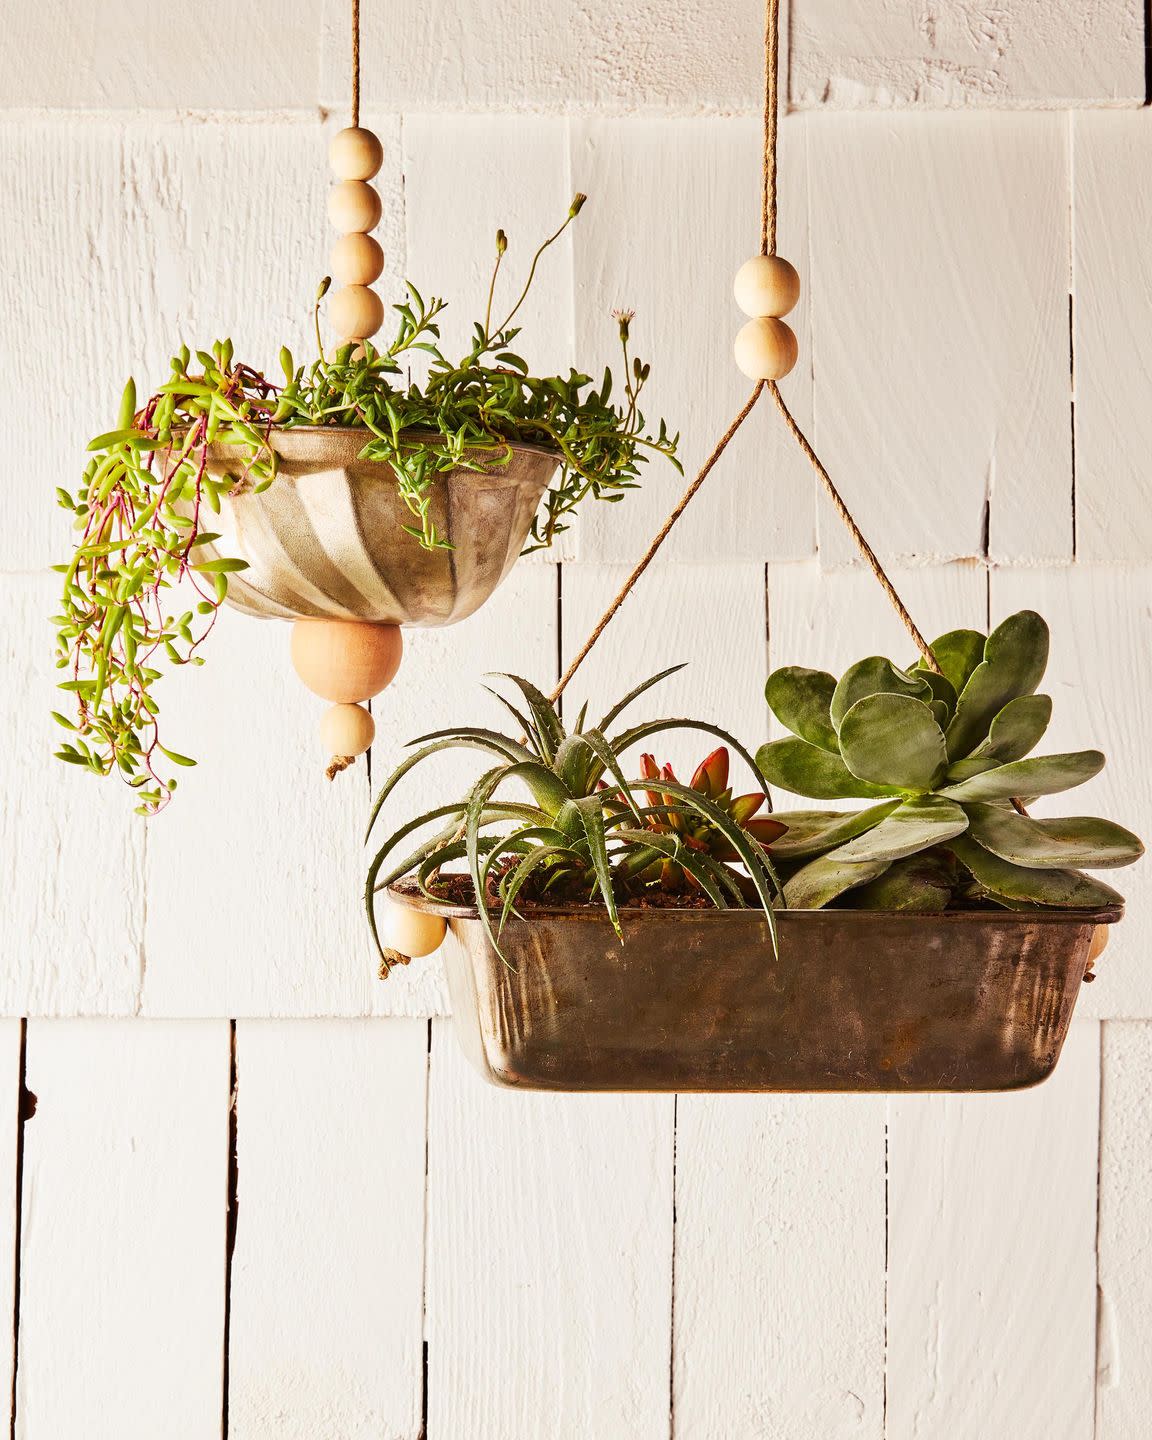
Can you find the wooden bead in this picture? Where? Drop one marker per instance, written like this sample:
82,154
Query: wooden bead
356,260
356,311
766,349
355,153
411,932
353,205
345,660
347,730
766,285
1099,940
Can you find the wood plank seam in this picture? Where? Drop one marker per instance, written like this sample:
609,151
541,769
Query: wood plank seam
26,1108
233,1209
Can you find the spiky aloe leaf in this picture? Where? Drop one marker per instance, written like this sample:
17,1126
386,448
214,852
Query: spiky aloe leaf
916,825
801,700
893,740
807,770
1040,775
823,880
920,884
1015,658
549,730
591,814
621,705
489,741
703,869
958,653
874,676
815,832
517,878
1067,889
1076,843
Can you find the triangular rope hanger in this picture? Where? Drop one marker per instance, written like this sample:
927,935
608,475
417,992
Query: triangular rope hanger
768,213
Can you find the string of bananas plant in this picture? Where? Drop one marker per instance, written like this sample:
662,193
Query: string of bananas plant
585,835
144,505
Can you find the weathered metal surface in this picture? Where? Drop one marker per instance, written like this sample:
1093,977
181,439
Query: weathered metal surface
326,539
696,1000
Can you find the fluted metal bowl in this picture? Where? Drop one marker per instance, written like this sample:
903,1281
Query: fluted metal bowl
326,539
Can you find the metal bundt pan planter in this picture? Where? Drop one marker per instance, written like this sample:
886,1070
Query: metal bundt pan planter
326,540
696,1000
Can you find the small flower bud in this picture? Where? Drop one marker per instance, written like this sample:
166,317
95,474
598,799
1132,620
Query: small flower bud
501,242
323,287
577,205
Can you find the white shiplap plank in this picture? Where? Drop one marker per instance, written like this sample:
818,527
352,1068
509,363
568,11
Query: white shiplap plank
10,1098
1124,1380
463,182
779,1312
992,1265
129,238
123,1230
1101,622
1112,280
265,917
708,617
549,1260
849,54
127,55
71,926
674,211
549,55
940,333
327,1273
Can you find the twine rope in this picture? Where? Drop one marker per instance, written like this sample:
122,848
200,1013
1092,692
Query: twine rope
768,216
355,63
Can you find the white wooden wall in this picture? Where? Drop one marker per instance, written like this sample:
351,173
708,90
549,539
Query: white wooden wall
246,1188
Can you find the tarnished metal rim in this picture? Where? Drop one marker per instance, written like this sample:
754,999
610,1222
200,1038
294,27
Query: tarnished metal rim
1006,919
340,438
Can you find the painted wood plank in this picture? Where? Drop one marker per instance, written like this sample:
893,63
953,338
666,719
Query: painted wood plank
779,1283
674,211
257,868
1124,1381
462,184
549,55
1101,622
10,1075
940,334
1112,278
118,55
709,618
122,1254
992,1265
849,54
327,1275
549,1260
71,926
189,233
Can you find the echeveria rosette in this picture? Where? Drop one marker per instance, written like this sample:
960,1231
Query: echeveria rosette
944,757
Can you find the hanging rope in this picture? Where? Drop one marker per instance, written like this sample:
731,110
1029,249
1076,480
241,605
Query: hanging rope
355,64
768,214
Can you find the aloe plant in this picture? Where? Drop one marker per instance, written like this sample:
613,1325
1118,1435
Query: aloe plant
945,760
584,833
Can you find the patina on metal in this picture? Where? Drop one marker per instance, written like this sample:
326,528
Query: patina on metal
326,539
696,999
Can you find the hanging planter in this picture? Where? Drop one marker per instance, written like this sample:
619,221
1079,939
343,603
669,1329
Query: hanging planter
643,934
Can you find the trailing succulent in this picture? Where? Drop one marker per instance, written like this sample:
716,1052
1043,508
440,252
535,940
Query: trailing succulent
942,759
145,501
586,832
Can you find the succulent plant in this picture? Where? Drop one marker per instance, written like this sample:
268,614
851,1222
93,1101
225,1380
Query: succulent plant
698,835
584,834
942,758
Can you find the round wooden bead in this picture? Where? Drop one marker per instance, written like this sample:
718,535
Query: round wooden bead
411,932
356,311
347,730
766,349
1099,940
345,660
766,285
356,260
355,153
353,205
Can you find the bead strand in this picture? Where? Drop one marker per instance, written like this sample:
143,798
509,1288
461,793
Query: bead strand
766,287
356,311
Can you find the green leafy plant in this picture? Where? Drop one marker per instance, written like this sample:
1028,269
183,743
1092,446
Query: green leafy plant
945,760
144,504
584,834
